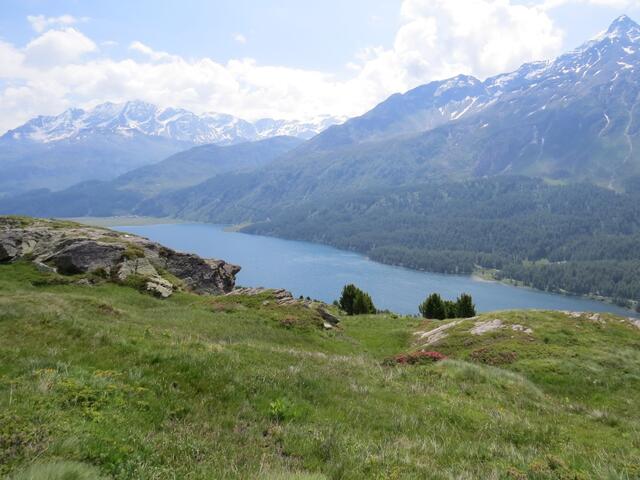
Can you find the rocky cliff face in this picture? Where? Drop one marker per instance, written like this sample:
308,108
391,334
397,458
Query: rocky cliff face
69,248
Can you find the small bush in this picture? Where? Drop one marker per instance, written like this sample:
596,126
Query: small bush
289,321
137,282
491,357
278,409
417,358
132,252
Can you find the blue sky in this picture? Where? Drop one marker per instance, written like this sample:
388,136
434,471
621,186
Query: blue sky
304,34
285,58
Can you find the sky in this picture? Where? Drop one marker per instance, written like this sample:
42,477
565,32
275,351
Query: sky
288,59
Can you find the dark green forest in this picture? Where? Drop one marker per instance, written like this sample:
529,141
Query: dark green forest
576,238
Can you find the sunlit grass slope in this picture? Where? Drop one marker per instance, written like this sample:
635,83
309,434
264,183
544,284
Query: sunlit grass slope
107,381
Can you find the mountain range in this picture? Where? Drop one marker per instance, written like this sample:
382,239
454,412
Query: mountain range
557,138
110,139
571,119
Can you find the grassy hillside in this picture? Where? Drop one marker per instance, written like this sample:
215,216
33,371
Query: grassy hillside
133,387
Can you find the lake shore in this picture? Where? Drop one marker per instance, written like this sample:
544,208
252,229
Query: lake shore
320,271
480,275
126,220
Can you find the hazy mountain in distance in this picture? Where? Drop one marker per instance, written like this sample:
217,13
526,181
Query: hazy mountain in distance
124,193
192,166
570,119
111,139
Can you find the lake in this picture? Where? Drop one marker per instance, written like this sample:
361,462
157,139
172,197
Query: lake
320,272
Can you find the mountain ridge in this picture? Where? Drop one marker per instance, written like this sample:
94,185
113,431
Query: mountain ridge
177,124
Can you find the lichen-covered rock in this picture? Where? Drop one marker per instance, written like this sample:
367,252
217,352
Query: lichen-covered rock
285,298
136,266
86,256
159,286
199,274
9,247
329,318
71,248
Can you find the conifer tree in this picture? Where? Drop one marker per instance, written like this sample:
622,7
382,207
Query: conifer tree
363,304
465,306
356,302
451,309
433,307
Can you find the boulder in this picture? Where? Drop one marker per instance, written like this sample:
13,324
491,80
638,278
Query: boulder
86,256
159,287
9,247
328,317
136,266
284,297
201,275
69,248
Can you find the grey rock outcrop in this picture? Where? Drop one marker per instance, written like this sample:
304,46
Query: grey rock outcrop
159,287
285,298
199,274
85,256
69,248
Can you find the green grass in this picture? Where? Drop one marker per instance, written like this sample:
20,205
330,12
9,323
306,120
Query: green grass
59,471
203,387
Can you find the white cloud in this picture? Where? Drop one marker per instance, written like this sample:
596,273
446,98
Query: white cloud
479,37
550,4
240,38
11,61
58,47
40,23
436,39
151,53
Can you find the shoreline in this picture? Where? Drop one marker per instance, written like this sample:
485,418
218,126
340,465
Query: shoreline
126,221
480,275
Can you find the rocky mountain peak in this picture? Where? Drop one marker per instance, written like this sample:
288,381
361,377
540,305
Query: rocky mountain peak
623,26
139,117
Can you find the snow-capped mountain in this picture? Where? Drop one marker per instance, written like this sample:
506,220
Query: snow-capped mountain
141,118
575,118
609,59
110,139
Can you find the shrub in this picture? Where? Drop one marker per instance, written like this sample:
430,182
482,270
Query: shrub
494,358
417,358
282,409
132,252
465,307
355,302
433,307
451,309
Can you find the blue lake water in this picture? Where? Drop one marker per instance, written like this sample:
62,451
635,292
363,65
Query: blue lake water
320,272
